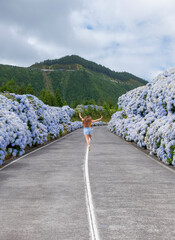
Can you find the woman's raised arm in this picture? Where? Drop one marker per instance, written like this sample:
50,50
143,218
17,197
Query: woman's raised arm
81,117
97,119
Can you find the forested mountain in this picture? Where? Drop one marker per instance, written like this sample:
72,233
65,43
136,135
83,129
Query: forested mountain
76,78
73,61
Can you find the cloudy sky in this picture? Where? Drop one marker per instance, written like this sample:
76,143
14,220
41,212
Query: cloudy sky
137,36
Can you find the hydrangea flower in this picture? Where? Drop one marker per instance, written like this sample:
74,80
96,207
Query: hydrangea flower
148,116
26,121
81,108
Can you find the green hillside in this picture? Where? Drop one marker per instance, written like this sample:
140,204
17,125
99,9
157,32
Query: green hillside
22,75
85,85
77,79
74,60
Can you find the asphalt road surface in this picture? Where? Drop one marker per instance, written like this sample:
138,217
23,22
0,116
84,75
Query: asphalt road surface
63,192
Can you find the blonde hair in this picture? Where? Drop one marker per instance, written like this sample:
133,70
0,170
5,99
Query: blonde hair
87,121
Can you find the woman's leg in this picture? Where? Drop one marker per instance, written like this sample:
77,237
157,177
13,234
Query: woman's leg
87,139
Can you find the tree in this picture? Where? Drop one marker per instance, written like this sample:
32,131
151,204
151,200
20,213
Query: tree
42,95
106,106
85,102
75,103
10,86
47,97
52,99
22,89
30,89
58,98
100,102
65,103
91,102
110,103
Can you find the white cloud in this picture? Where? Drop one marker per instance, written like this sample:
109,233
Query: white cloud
133,35
137,36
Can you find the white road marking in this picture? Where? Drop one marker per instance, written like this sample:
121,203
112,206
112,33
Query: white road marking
89,202
158,161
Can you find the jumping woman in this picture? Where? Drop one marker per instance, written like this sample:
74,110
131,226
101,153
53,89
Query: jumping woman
87,120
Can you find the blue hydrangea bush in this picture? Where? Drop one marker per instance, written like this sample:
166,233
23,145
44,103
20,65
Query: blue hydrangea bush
147,117
25,121
81,108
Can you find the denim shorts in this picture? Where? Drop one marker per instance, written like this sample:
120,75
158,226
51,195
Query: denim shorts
87,130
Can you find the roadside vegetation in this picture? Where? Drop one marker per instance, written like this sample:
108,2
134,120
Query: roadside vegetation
91,107
95,111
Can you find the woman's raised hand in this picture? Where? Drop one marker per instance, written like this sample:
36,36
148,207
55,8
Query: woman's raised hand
80,116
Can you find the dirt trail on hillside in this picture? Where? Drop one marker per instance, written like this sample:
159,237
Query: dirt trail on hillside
48,82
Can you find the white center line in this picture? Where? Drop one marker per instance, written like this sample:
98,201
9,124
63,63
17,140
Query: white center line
89,202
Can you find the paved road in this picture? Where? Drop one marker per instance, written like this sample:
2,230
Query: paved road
42,196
